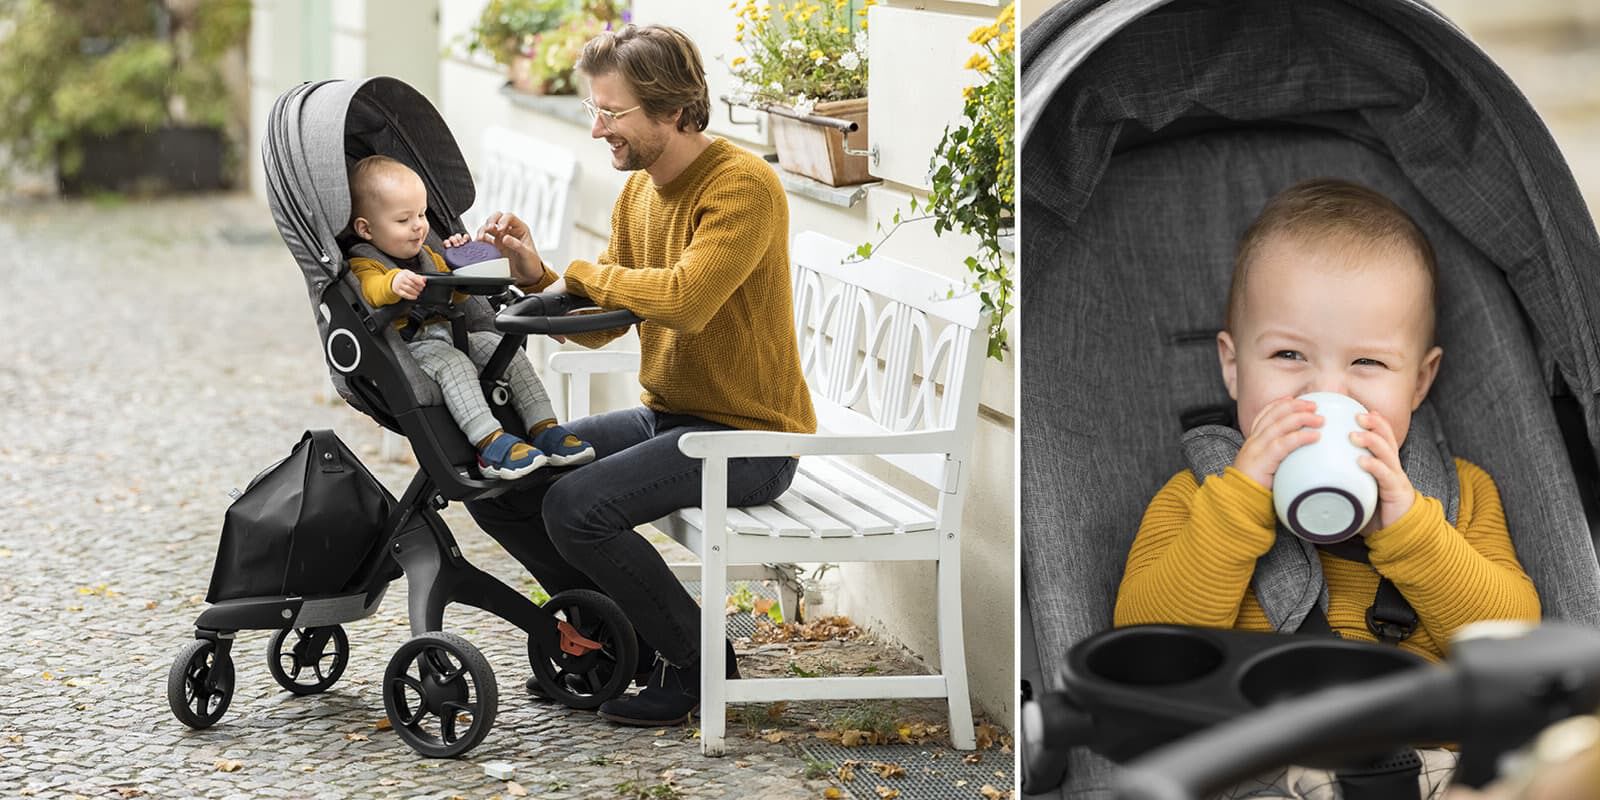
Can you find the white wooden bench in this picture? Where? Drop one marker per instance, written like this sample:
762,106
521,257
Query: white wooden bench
894,369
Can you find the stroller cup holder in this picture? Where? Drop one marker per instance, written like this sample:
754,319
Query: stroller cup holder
1128,691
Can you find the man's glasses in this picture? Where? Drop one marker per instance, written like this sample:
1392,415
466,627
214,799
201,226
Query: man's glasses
607,118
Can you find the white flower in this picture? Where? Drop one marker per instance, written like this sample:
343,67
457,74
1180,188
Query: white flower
804,105
775,86
795,45
821,60
849,60
861,41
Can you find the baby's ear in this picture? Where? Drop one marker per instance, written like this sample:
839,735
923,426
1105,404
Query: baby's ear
1229,359
1426,373
362,227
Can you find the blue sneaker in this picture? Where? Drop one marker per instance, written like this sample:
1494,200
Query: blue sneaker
562,448
506,457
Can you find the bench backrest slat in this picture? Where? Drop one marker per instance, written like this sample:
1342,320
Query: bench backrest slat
532,179
887,347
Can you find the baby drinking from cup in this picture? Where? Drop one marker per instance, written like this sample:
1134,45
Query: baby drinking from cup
1333,291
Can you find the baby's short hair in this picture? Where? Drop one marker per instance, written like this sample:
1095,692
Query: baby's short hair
365,177
1333,212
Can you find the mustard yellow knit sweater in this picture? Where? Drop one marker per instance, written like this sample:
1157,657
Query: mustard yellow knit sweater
1197,547
705,261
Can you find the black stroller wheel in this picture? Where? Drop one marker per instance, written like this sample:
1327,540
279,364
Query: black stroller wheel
307,665
585,681
200,684
434,685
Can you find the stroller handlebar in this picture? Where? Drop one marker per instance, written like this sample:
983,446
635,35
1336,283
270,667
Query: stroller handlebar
553,313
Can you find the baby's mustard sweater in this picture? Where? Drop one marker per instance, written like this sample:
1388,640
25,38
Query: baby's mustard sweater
377,281
704,260
1197,546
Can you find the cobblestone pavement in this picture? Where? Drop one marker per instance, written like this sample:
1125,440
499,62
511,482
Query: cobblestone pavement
161,354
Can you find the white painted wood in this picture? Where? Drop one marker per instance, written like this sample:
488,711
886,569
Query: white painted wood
893,362
532,179
927,50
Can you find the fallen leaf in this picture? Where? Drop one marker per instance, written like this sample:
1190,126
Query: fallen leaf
986,735
847,771
762,606
972,759
832,793
128,791
228,765
887,770
515,789
775,737
775,710
990,793
382,724
356,737
854,738
888,794
151,606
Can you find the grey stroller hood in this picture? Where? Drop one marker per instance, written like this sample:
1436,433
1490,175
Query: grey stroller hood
317,130
1152,132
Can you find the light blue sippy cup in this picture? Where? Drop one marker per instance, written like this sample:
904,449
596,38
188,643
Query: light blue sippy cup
1320,491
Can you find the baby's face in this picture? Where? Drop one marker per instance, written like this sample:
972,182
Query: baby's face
1311,322
398,220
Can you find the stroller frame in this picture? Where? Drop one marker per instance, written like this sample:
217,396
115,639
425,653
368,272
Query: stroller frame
436,680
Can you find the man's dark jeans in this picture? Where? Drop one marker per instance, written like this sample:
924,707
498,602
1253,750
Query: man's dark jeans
578,532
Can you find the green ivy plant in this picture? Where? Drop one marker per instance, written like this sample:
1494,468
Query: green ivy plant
74,70
973,175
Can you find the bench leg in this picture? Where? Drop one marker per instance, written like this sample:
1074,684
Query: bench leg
713,622
953,655
788,598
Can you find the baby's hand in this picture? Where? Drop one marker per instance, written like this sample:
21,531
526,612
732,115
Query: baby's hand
457,240
1277,431
408,284
1395,493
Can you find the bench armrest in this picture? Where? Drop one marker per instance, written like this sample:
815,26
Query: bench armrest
757,444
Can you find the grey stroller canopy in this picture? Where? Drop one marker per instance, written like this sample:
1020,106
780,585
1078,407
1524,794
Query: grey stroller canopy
1152,132
318,130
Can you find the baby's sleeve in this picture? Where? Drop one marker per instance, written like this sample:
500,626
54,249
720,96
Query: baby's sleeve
377,283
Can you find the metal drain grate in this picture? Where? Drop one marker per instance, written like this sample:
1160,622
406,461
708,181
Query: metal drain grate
740,624
932,773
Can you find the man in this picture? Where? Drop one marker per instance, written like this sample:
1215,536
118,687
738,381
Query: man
699,250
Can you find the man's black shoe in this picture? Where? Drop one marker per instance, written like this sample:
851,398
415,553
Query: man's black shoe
670,697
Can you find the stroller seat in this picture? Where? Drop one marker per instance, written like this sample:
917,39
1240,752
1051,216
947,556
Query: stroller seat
1153,133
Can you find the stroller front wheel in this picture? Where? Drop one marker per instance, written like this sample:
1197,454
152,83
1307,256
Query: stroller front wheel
440,694
200,684
307,665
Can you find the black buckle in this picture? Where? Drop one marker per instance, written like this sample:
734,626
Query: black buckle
1389,630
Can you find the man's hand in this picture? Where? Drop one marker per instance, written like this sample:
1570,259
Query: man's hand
1280,429
1395,493
407,284
512,238
457,240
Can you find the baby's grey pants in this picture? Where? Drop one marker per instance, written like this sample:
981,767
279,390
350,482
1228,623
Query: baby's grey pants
457,376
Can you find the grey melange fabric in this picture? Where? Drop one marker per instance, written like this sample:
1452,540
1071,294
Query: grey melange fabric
456,374
1138,178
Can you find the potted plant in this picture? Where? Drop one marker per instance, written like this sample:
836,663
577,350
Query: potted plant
806,59
506,30
119,94
552,56
973,173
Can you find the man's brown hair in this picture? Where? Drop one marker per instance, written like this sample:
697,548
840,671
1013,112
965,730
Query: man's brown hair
660,64
1332,212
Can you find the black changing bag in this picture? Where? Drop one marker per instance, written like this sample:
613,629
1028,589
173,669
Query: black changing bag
304,526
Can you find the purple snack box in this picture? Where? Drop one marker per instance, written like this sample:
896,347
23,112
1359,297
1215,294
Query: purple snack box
469,253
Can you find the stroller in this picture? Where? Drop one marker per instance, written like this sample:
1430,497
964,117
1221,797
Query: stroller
1152,132
439,691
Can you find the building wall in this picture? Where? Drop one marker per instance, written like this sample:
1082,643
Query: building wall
924,47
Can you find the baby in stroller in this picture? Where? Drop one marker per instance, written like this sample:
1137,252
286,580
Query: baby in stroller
1332,290
389,205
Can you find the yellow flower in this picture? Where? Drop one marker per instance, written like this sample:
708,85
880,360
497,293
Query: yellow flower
765,16
738,37
788,16
863,24
1007,42
738,61
740,26
966,91
983,35
816,54
861,12
979,62
1007,14
841,29
733,5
